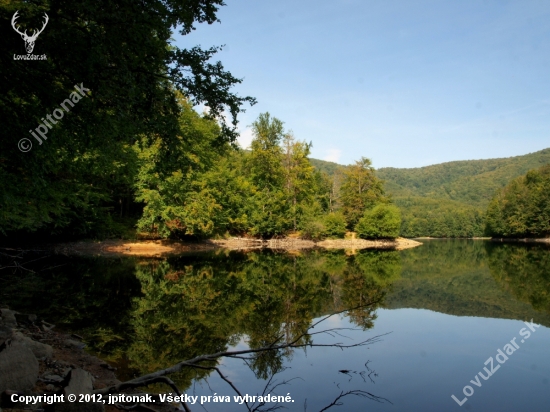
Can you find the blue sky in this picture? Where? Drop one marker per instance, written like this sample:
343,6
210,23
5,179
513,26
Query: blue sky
405,83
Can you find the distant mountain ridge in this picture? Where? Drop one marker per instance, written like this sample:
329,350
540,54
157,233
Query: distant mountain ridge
469,181
325,166
449,199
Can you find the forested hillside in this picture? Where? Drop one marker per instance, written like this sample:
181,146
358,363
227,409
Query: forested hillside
329,168
522,208
448,199
470,181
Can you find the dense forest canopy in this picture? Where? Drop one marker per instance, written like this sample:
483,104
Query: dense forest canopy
77,179
473,182
522,208
450,199
133,148
270,190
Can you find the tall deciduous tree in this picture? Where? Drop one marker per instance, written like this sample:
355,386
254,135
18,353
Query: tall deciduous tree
268,208
266,152
360,190
299,174
123,53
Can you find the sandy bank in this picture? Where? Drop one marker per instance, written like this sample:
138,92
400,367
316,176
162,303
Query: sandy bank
145,248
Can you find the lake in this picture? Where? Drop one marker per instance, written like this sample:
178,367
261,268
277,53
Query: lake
450,315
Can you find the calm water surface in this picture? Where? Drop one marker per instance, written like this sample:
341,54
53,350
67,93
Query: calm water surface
446,307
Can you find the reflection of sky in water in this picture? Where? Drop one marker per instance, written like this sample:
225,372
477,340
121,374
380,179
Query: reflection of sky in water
427,358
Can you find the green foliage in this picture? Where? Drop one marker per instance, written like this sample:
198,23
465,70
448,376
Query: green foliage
522,209
313,229
439,218
449,199
299,178
329,168
360,190
180,202
382,221
265,157
473,182
85,170
211,190
335,225
268,213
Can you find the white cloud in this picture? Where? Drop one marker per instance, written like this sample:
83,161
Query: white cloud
333,155
245,138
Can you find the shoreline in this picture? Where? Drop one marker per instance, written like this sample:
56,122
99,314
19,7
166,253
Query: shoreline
447,238
38,360
161,248
545,240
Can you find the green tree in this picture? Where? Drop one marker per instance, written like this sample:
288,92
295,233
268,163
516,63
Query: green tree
298,173
335,225
382,221
266,153
268,208
360,190
522,209
182,202
124,55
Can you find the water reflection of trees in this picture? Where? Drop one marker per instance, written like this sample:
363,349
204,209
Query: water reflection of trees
524,271
194,305
156,312
475,278
91,295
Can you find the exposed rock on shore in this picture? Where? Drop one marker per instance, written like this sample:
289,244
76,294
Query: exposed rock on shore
161,248
31,367
18,368
61,367
396,244
297,244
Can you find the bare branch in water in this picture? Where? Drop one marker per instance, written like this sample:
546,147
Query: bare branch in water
207,361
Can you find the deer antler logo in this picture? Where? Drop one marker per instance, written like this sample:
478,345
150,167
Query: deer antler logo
29,40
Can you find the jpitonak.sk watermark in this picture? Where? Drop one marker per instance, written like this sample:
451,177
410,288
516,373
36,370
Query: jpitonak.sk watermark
43,128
